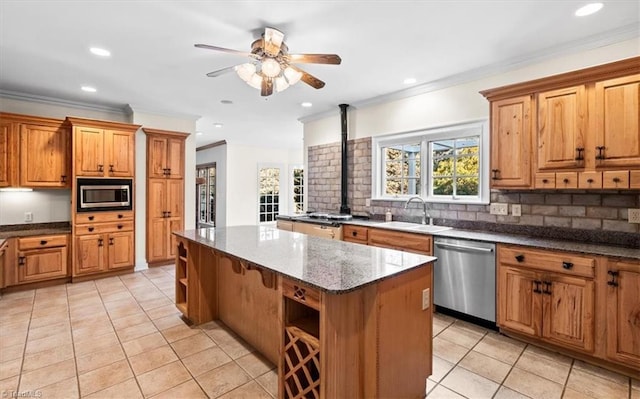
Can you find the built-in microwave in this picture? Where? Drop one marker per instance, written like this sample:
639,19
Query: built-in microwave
104,194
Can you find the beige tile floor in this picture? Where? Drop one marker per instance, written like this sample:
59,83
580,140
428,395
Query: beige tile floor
121,337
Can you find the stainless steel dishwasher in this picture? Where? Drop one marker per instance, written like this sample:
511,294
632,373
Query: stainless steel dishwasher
465,277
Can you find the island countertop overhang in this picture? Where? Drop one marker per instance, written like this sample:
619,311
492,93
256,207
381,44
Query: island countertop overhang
335,267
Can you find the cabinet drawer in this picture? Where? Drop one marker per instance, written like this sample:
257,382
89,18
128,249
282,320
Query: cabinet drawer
356,234
419,243
545,180
634,179
590,180
100,228
561,262
567,180
616,179
98,217
42,242
301,293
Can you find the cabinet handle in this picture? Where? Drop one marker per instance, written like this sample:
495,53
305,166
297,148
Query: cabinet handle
579,156
545,181
63,179
90,229
91,217
495,174
547,287
613,281
616,180
43,242
354,233
120,227
120,216
567,265
600,154
537,287
520,258
589,180
565,180
168,214
100,242
111,169
111,241
21,260
100,168
164,214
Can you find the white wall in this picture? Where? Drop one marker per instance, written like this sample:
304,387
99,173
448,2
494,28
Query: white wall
453,104
237,173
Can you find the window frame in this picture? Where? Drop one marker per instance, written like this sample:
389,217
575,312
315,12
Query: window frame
209,206
459,130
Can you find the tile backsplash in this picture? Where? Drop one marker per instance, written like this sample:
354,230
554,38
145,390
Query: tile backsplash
604,211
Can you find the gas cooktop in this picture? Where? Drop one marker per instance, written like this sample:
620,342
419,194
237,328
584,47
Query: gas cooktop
329,216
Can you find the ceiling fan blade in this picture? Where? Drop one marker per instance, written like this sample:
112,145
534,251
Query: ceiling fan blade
267,87
333,59
226,50
221,71
309,79
272,41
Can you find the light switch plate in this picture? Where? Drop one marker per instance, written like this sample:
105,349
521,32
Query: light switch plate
634,215
499,209
516,210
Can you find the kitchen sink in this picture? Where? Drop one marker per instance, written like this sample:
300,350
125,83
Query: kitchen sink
427,228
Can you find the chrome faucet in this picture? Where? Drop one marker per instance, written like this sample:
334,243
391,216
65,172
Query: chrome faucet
425,212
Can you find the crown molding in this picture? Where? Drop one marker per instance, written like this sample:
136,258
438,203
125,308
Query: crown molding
14,95
212,145
132,109
614,36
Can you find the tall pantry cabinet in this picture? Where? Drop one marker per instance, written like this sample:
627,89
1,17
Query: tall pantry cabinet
165,193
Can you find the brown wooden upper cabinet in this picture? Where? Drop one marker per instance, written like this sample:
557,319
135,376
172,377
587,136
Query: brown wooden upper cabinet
166,157
103,149
34,152
585,130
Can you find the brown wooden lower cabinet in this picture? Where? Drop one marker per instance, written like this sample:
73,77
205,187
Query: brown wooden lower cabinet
96,253
41,258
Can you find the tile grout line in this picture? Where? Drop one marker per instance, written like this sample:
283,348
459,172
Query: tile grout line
26,340
73,344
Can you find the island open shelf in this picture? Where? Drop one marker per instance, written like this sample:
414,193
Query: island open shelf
340,320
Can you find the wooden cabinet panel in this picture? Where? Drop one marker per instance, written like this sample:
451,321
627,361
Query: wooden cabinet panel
569,311
418,243
44,156
615,179
173,224
99,217
156,242
317,230
121,250
356,234
634,179
511,143
120,153
590,180
518,308
617,122
545,180
38,242
165,157
175,198
552,261
623,312
175,158
6,154
567,180
89,151
42,264
156,198
90,254
284,225
562,117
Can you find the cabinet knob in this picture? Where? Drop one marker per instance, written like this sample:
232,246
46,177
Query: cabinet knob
547,287
354,233
120,216
545,181
43,242
100,168
91,217
536,289
495,173
589,180
616,180
63,179
520,258
21,260
567,265
120,227
579,156
565,180
90,229
111,241
600,154
613,275
111,169
100,242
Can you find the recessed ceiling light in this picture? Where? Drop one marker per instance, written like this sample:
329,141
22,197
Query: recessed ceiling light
307,104
100,52
226,102
217,125
588,9
198,133
89,89
409,81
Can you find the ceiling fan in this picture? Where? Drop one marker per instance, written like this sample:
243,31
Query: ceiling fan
271,64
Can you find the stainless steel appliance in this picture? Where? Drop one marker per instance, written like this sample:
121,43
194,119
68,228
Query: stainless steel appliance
465,277
104,194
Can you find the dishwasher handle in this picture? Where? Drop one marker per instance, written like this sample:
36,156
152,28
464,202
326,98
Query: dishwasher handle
463,247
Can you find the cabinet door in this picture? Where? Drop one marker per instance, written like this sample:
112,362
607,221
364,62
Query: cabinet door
510,143
7,165
623,313
519,307
568,304
175,198
90,254
42,264
44,156
121,250
89,151
156,198
175,158
157,239
617,122
156,157
120,153
173,224
562,116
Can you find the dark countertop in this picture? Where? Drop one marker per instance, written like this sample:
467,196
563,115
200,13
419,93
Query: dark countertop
503,238
34,229
333,266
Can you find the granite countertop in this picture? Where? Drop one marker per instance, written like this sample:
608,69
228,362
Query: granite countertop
565,245
35,229
332,266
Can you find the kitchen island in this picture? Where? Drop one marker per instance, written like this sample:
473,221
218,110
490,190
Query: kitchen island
341,320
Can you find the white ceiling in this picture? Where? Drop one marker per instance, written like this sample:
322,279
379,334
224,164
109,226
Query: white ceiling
155,67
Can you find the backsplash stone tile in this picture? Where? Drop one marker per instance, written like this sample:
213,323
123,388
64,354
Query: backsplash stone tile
568,214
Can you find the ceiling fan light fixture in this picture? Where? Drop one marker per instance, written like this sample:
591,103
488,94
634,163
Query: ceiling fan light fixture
245,71
255,81
292,75
270,68
281,84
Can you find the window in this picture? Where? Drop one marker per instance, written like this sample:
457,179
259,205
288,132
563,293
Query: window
446,164
298,189
269,194
206,186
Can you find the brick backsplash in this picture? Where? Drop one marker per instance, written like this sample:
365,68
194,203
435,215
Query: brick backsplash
568,209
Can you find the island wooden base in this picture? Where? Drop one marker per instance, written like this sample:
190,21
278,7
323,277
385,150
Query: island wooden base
371,342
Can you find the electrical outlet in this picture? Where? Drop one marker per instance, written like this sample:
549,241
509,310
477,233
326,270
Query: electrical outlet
367,202
28,216
499,209
634,215
426,299
516,210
